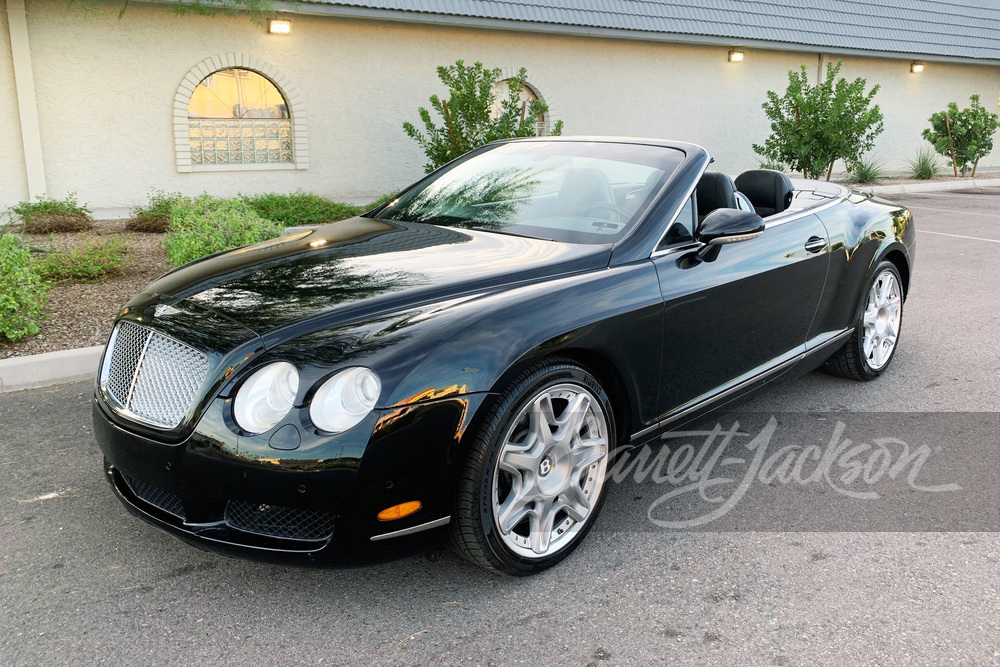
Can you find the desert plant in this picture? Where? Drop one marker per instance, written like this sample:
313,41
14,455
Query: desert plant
925,165
22,290
814,126
867,171
964,136
469,117
206,225
49,215
87,261
153,217
300,208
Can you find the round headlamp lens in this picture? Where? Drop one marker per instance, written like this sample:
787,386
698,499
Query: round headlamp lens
266,397
345,399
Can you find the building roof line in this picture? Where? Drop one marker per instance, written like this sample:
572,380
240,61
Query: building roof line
523,25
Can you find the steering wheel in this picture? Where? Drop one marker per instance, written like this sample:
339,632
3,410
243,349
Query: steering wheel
621,211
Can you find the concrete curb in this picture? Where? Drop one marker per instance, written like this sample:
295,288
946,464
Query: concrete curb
936,186
43,370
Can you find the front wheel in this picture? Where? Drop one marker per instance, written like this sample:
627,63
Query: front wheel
533,480
876,332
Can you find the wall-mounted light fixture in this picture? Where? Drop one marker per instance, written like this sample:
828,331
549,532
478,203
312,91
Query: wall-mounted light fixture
916,68
736,56
279,26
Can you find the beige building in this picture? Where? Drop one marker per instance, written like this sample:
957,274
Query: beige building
111,108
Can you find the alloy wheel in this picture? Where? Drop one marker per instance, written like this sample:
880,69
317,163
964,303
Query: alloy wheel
550,470
881,320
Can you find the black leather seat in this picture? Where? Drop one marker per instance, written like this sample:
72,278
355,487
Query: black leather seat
715,190
769,191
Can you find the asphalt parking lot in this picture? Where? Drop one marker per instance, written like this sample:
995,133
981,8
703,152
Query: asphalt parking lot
83,582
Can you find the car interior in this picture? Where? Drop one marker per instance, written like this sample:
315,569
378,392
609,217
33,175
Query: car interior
770,192
760,191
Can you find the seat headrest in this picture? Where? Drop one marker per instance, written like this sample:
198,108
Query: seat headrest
585,186
769,191
715,190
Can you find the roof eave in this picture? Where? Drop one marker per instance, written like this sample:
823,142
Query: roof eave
404,16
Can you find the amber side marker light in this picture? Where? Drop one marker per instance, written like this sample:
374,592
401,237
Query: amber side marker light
399,511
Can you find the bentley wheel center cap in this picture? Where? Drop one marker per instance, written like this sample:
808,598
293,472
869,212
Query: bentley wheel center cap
545,467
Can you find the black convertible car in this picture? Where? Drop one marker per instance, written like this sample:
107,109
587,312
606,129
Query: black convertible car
463,361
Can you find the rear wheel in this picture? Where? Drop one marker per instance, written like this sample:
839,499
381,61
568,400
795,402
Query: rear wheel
876,332
533,481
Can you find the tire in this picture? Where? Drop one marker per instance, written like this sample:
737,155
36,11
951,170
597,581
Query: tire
523,476
875,322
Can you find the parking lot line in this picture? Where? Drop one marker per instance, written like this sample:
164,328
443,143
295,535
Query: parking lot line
945,210
959,236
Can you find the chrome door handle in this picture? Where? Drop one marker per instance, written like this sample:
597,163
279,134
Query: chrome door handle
815,244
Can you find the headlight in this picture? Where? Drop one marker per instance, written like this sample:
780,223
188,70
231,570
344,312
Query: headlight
266,397
345,399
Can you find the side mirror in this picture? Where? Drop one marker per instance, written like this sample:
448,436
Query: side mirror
727,225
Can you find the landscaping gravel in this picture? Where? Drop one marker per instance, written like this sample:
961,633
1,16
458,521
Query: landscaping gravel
80,315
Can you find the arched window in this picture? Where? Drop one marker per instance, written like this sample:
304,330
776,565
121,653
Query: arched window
237,116
501,92
238,112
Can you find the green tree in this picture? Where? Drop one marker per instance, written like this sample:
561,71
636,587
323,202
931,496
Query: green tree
814,126
963,135
473,116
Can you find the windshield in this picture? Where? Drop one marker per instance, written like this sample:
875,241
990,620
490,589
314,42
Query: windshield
576,192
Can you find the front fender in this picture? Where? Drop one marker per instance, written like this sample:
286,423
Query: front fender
613,314
862,232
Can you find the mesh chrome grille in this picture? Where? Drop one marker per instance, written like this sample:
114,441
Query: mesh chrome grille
150,377
286,522
166,501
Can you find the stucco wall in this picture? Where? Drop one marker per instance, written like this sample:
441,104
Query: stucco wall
106,88
13,183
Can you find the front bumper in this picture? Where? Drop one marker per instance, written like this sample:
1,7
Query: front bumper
278,507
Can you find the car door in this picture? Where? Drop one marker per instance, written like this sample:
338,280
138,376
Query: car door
745,312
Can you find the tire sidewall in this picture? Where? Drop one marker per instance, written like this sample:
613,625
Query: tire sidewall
510,407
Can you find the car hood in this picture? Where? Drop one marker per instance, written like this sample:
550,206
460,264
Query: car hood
361,268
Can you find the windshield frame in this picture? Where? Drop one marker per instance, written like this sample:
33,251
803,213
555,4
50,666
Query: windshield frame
673,158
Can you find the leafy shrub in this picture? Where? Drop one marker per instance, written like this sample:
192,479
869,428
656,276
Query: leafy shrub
300,208
22,290
206,225
963,135
814,126
472,116
868,171
54,215
86,262
925,165
384,199
153,217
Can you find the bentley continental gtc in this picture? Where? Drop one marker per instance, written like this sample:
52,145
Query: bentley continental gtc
460,364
